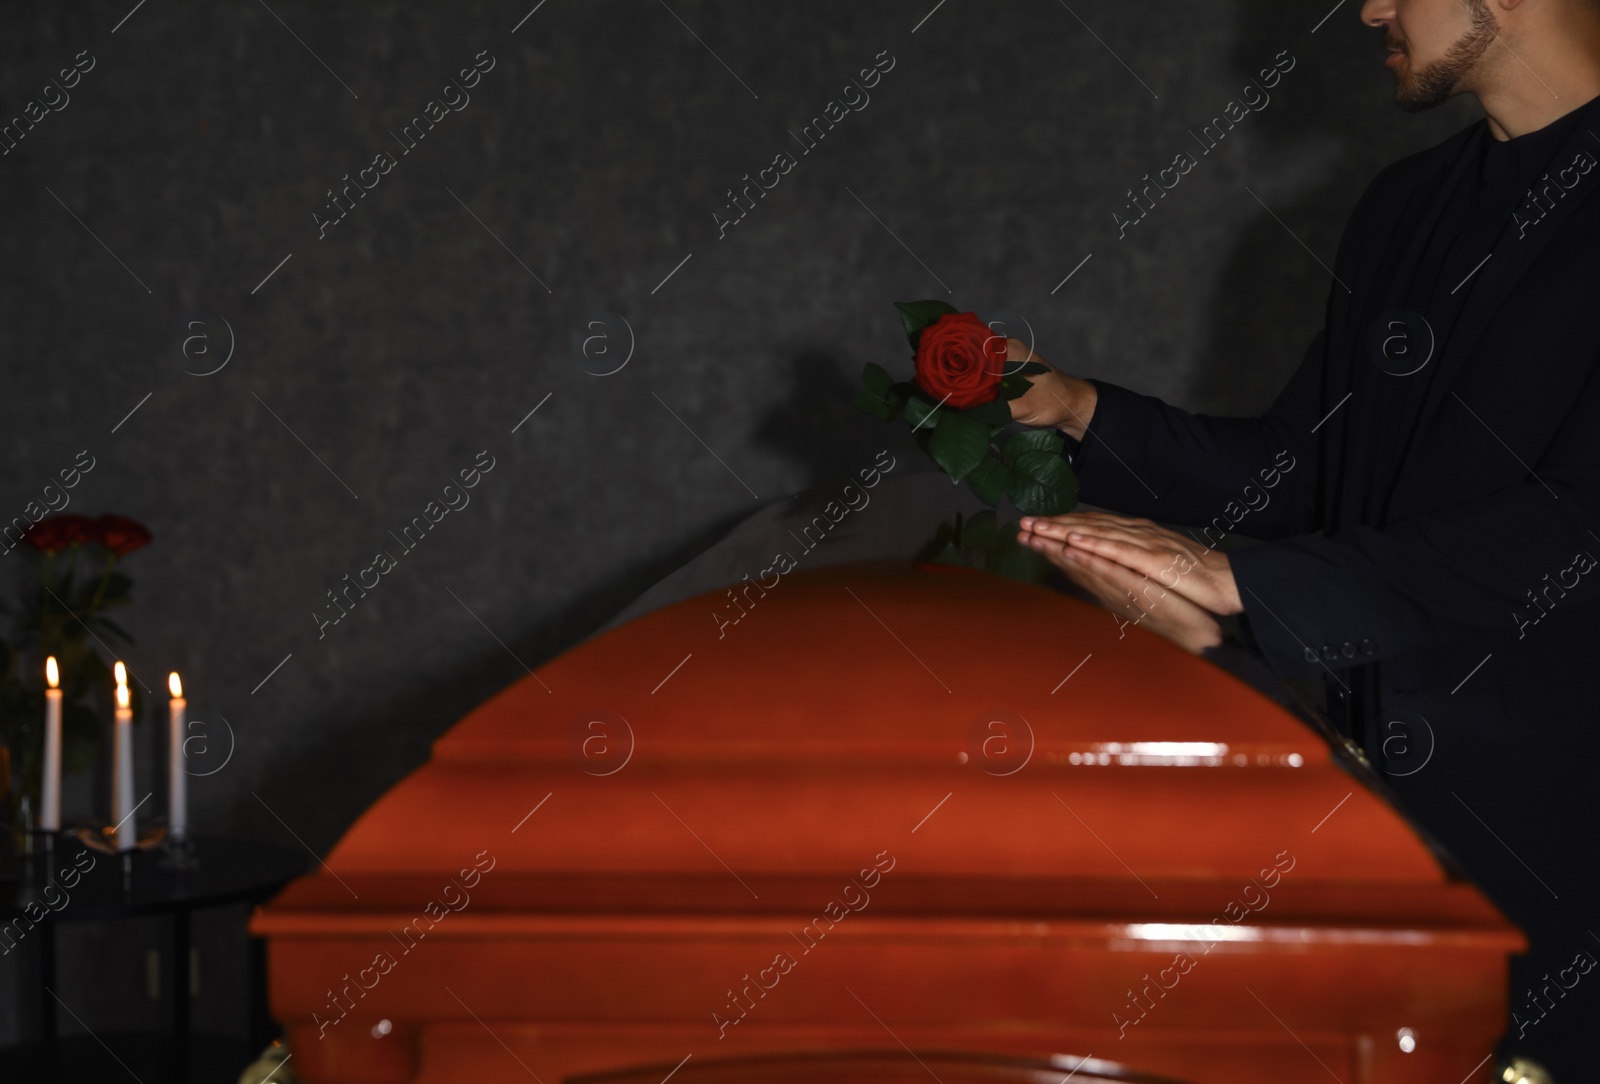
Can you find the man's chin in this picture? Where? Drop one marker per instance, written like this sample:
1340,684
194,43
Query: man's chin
1412,98
1424,86
1413,104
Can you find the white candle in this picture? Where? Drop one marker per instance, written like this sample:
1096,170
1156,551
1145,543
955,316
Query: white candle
50,789
177,790
122,768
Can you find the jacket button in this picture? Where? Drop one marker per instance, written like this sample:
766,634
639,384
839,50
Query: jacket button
1311,654
1367,647
1348,650
1330,652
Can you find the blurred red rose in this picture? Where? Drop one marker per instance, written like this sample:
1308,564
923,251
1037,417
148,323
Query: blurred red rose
81,530
121,535
53,533
960,360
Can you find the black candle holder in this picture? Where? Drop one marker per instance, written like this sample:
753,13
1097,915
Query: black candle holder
103,838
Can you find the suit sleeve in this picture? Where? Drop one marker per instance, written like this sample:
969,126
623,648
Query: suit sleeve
1441,576
1142,457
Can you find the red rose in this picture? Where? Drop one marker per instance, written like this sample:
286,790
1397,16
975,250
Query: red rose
122,535
55,533
81,530
960,360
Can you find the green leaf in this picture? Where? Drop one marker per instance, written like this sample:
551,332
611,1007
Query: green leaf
917,315
1032,440
918,410
993,413
82,669
876,378
118,589
875,404
114,630
981,532
1032,368
943,536
1014,386
1042,484
988,480
959,444
1014,560
1045,468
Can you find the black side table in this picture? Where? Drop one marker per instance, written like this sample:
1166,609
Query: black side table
229,871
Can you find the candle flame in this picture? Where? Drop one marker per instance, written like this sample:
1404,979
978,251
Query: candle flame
120,672
122,696
176,685
52,673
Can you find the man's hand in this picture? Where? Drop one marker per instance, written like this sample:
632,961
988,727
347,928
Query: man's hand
1175,561
1055,400
1121,552
1136,598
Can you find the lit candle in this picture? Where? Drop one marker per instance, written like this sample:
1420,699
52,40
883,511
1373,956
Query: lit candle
122,768
50,790
177,792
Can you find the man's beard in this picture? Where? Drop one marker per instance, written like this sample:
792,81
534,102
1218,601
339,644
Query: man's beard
1434,84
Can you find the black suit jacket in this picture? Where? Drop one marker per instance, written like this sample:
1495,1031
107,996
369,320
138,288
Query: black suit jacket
1426,615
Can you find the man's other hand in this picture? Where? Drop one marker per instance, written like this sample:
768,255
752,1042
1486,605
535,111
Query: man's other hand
1137,567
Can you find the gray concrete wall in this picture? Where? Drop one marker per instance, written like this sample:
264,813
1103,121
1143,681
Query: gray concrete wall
454,297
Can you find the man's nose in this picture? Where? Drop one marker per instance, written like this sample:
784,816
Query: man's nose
1377,12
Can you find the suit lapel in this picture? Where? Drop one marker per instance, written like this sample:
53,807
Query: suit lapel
1376,291
1523,238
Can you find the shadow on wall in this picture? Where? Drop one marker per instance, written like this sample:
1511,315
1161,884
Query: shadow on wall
408,721
815,426
818,427
1250,349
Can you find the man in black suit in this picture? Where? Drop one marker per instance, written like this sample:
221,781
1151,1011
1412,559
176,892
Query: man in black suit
1427,488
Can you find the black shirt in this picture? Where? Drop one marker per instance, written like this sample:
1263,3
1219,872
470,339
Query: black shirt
1436,284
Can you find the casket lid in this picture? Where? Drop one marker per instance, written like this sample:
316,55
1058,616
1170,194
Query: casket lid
886,661
852,712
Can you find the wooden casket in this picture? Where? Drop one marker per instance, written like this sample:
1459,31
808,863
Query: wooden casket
898,808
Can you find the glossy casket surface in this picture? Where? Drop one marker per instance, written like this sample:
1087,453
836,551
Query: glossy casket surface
894,806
